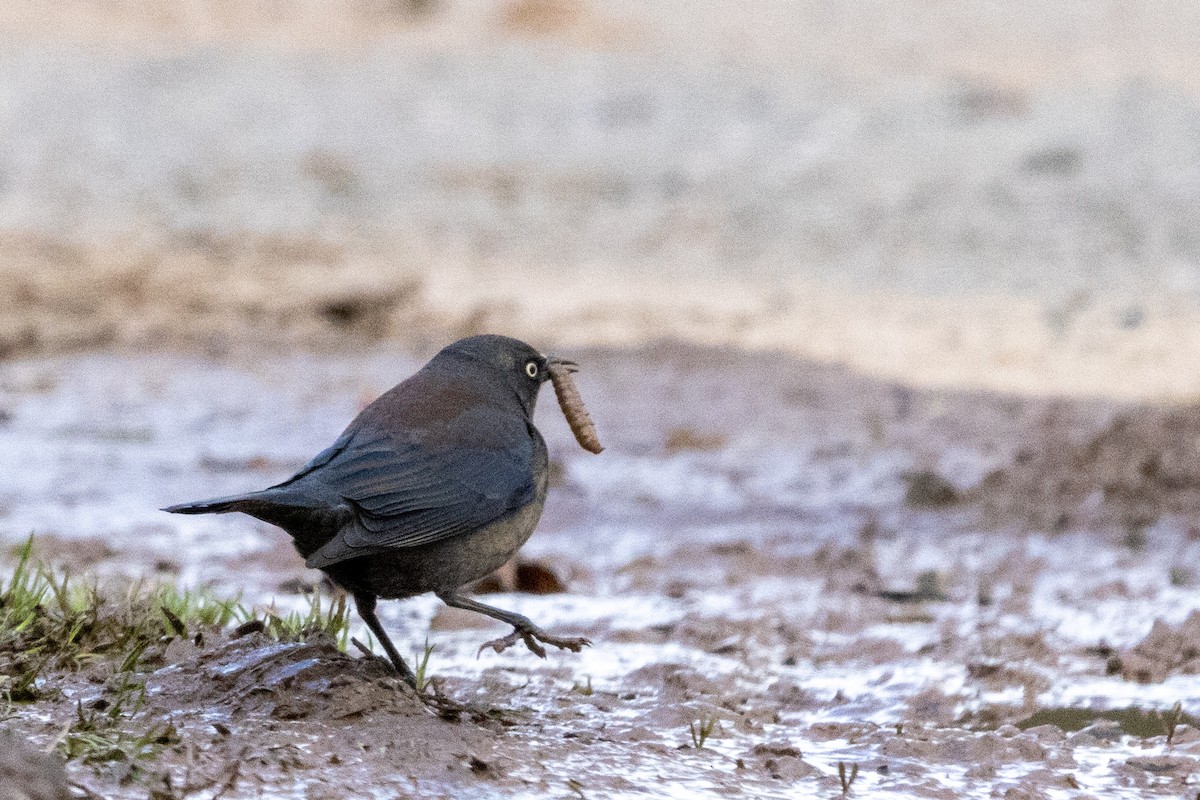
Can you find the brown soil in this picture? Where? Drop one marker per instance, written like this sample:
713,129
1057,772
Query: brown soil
240,717
814,566
1142,464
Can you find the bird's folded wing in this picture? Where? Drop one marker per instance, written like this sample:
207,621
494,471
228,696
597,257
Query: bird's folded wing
407,494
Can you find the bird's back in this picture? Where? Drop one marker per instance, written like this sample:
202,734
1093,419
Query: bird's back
439,456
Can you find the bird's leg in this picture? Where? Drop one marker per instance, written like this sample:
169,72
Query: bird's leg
523,628
365,602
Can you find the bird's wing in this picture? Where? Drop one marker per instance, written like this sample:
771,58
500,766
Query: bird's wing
417,491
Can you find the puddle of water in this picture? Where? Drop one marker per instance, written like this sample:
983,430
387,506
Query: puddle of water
761,575
1137,722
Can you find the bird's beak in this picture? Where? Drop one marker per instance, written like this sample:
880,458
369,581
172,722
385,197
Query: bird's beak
570,365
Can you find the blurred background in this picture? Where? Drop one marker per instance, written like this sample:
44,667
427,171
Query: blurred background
967,193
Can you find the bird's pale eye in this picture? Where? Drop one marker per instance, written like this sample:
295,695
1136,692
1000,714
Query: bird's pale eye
531,369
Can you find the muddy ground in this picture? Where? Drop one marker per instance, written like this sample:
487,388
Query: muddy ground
946,591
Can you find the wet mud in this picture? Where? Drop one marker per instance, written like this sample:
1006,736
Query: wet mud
1139,466
811,579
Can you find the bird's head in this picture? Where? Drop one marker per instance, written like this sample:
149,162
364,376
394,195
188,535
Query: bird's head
503,361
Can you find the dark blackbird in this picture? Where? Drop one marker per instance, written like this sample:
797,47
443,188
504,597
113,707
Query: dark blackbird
434,485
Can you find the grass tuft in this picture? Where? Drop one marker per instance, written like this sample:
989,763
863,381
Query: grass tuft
1171,720
422,667
51,623
98,733
702,728
332,619
847,777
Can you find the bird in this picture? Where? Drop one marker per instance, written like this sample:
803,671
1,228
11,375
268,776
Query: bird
434,485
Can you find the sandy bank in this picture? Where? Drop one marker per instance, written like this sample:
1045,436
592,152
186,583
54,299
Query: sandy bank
275,291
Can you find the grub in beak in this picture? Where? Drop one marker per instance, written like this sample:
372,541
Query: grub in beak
572,404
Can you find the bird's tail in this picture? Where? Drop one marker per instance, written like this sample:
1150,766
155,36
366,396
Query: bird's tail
218,505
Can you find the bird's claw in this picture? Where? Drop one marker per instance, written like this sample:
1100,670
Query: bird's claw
533,637
440,704
400,668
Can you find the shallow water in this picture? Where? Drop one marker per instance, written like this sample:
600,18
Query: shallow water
739,572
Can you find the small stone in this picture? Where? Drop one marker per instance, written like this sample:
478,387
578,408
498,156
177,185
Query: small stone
1047,733
1105,731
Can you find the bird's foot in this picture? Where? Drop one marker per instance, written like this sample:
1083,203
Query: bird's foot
400,668
445,707
454,711
533,638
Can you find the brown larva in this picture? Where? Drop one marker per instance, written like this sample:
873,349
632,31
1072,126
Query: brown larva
572,405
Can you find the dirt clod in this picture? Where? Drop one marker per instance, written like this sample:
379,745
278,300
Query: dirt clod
1166,650
929,490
